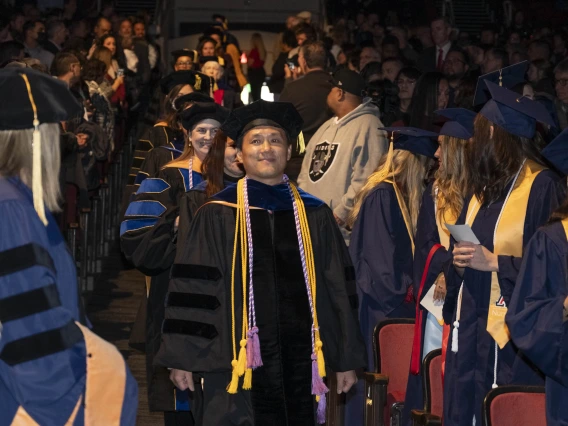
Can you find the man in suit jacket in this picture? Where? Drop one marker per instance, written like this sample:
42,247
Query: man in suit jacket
432,58
56,35
309,96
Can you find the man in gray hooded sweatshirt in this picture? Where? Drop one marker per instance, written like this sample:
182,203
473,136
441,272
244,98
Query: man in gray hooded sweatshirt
346,149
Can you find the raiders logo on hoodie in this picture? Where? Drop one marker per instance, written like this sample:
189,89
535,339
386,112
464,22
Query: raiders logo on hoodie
322,159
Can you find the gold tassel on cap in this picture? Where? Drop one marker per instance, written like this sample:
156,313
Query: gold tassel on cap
37,186
301,143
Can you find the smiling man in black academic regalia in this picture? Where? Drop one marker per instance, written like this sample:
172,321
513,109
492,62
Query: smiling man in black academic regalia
262,302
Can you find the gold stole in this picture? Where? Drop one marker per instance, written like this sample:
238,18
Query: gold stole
404,211
508,241
565,226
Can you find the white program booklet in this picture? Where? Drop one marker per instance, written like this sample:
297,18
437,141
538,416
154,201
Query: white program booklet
435,308
462,233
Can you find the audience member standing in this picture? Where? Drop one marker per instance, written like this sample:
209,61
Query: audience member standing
432,58
309,97
345,150
34,36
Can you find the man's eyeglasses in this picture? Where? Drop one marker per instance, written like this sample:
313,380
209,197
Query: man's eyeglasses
561,81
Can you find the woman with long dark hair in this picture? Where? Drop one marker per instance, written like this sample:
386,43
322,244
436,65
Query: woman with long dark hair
539,305
513,194
146,239
442,204
431,93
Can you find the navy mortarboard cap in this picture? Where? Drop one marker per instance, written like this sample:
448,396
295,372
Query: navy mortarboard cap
31,98
191,98
514,113
350,81
415,140
184,52
263,113
203,111
461,122
557,152
197,80
507,77
53,100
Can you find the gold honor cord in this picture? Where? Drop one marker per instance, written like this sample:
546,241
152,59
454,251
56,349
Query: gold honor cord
239,367
308,249
37,186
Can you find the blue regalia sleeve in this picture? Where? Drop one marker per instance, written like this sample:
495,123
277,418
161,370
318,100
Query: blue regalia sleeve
535,314
42,353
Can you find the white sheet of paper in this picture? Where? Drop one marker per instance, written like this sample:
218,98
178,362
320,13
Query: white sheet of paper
462,233
435,308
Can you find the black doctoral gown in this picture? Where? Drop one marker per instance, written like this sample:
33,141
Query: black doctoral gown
154,137
148,241
197,329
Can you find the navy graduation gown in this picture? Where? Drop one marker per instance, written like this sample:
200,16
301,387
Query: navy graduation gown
427,235
535,315
43,353
382,255
197,329
148,241
469,373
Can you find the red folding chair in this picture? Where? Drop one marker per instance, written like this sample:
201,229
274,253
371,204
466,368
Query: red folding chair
515,405
386,388
433,391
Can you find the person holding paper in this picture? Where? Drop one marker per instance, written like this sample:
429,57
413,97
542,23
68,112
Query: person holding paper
538,312
513,194
382,242
442,203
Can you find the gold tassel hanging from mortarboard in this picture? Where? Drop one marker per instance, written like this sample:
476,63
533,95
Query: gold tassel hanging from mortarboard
37,186
197,85
301,143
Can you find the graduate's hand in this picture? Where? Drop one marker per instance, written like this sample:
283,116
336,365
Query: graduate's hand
345,380
475,256
440,290
339,221
176,224
182,379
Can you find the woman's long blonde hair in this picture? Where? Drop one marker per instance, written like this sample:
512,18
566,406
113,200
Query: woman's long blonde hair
16,160
409,171
451,180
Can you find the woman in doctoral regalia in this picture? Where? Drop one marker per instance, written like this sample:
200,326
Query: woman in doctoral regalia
53,369
513,195
382,243
538,312
179,89
442,203
147,235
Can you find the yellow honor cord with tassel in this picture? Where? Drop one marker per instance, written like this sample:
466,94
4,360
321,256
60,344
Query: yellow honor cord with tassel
238,364
308,249
37,185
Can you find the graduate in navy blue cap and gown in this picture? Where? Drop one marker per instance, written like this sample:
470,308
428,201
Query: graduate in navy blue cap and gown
53,369
384,221
442,203
148,240
513,194
262,301
538,312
